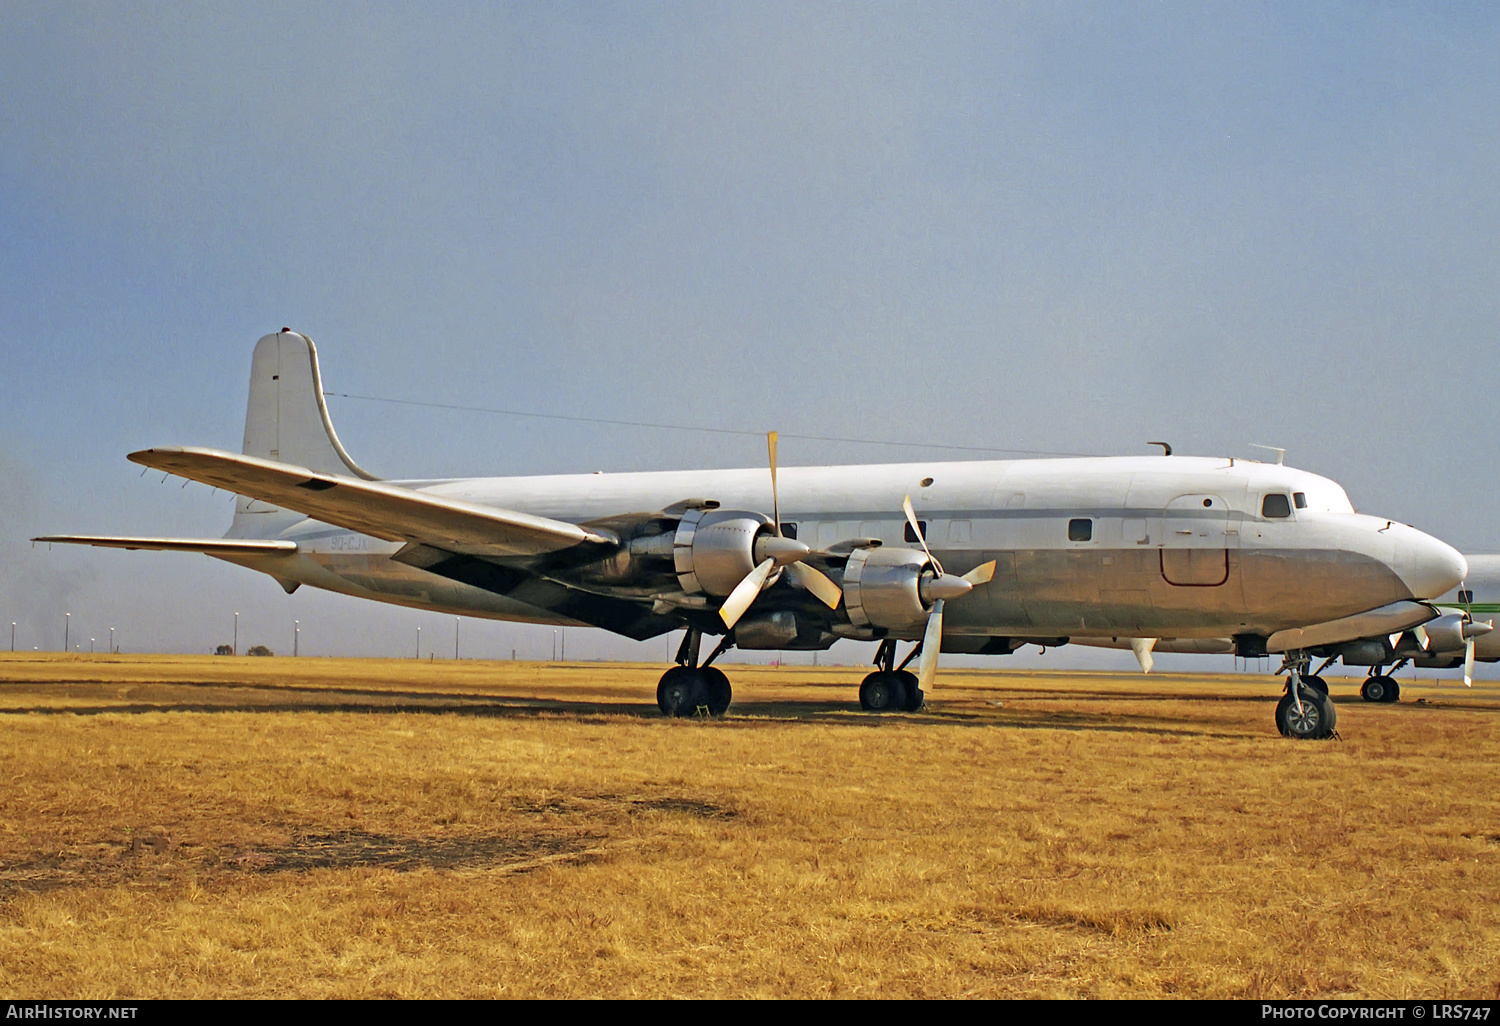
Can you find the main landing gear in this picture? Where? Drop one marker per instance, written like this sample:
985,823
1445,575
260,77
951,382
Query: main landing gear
688,689
1305,712
1380,686
891,688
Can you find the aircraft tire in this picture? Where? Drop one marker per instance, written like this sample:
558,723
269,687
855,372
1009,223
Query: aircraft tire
720,694
1312,680
1380,689
914,694
682,692
882,692
1317,720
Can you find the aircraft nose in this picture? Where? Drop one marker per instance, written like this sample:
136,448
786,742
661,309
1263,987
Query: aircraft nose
1427,566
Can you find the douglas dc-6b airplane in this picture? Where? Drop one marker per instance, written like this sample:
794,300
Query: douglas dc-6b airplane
976,557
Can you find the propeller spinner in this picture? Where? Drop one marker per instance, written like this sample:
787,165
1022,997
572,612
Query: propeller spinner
771,552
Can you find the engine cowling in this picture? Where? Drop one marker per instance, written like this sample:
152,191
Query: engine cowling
883,587
1451,632
714,549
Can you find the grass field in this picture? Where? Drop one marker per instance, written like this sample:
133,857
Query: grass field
202,827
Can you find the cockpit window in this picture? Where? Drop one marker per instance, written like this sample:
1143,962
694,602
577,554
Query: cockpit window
1299,499
1275,506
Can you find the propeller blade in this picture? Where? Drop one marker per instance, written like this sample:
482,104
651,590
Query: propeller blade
932,642
775,502
815,581
911,518
981,574
1142,648
744,593
1469,663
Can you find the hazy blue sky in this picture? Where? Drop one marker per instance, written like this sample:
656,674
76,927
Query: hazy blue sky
1061,227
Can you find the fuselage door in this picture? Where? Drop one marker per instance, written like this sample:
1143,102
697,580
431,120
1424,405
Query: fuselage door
1195,541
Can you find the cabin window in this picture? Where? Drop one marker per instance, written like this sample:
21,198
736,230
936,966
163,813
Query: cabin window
1299,499
959,532
911,535
1275,506
1465,597
788,530
1080,529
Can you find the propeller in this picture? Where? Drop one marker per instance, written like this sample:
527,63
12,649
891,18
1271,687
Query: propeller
938,590
1472,630
775,551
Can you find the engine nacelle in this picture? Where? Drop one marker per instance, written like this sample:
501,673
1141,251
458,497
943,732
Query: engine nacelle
882,587
714,549
1445,634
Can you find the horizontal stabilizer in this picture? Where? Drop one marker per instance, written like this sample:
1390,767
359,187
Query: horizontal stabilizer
209,546
382,510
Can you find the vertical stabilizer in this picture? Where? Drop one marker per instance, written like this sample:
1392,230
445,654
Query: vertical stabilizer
287,417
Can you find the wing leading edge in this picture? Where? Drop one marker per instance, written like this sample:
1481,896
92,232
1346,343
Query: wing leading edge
378,509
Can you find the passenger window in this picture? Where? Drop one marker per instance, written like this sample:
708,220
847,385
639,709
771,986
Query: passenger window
911,535
1275,506
1080,529
1465,597
788,530
1300,499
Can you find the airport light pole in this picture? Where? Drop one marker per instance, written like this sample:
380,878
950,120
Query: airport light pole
111,641
455,639
419,643
67,626
296,635
91,646
13,635
236,649
554,646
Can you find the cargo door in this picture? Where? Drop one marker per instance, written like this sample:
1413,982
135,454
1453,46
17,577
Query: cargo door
1195,540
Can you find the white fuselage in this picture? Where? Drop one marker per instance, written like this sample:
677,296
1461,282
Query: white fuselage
1149,546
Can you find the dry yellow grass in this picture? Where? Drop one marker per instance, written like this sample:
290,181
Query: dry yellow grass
193,827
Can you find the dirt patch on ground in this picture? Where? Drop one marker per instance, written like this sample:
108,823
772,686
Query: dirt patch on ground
152,857
156,861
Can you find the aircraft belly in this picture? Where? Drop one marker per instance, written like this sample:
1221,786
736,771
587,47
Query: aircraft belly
376,576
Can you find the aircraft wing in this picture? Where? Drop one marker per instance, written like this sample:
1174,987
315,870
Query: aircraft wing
209,546
374,508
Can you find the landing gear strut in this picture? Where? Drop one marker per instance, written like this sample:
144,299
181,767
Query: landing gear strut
1305,712
689,689
891,688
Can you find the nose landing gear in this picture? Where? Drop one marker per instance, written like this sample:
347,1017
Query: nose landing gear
1305,712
